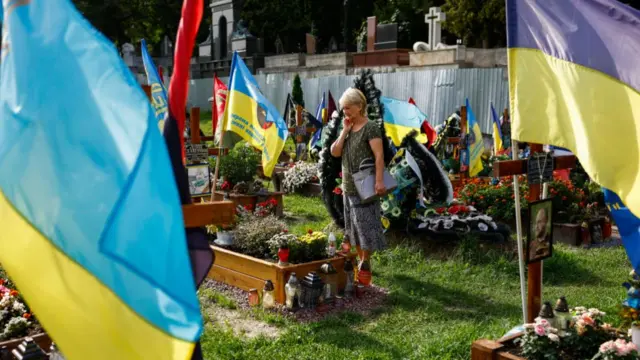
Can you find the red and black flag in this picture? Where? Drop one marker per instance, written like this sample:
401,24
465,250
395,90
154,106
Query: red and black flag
199,251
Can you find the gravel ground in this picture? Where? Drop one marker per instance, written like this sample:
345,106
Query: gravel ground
373,297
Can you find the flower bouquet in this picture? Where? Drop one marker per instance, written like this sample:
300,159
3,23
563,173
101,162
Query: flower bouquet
540,341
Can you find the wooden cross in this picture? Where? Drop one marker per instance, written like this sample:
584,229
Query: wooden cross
534,273
212,213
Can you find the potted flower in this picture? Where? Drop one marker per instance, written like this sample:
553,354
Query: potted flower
280,245
540,340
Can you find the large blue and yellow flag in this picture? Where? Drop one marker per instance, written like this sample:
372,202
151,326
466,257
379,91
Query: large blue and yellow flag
574,83
158,90
401,118
497,131
475,143
252,117
89,231
628,226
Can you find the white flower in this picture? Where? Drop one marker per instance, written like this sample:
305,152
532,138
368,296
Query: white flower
553,337
19,307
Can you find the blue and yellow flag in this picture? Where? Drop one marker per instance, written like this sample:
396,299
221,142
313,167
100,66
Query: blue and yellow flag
158,91
401,118
497,131
252,117
573,78
628,226
92,236
475,143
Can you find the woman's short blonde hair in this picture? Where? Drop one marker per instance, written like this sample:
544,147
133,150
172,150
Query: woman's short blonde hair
353,96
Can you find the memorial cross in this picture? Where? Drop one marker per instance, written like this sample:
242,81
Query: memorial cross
434,19
520,167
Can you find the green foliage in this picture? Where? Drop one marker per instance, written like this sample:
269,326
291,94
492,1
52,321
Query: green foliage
240,165
252,235
296,92
218,298
477,23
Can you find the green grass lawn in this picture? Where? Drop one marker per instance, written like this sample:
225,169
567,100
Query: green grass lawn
437,305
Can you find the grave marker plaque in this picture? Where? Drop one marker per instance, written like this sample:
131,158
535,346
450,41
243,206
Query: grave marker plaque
197,153
540,168
386,37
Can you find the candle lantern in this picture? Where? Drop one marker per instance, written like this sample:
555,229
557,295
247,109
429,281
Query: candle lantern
330,276
254,297
346,246
331,250
562,314
364,273
283,256
546,313
291,291
268,298
348,287
28,349
311,290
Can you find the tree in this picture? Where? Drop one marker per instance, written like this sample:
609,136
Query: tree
477,23
296,93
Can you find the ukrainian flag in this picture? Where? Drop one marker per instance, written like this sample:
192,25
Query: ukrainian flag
573,78
401,118
89,230
475,142
252,117
158,91
497,132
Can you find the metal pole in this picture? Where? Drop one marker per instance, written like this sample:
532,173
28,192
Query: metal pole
521,255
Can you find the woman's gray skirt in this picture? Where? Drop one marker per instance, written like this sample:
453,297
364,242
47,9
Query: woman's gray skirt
362,224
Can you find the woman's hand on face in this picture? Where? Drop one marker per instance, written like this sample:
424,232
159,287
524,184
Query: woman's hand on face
348,125
380,188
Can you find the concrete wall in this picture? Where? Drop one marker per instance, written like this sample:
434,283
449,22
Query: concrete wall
438,93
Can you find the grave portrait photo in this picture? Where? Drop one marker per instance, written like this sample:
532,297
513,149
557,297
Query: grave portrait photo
540,239
199,180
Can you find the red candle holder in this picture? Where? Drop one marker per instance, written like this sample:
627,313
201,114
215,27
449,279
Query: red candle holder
283,255
346,247
254,297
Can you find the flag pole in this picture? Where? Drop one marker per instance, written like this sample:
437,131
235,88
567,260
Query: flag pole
516,192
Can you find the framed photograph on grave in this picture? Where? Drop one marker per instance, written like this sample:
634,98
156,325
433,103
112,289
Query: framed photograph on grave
199,180
540,231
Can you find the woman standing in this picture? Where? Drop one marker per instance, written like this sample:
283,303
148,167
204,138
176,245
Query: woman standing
360,139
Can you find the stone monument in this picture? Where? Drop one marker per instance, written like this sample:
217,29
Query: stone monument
242,41
127,54
433,19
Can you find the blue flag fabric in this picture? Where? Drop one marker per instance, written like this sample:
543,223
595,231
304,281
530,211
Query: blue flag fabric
90,230
628,226
158,90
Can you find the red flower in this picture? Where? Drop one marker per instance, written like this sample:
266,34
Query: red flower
273,202
26,316
454,210
340,175
441,210
337,191
309,231
564,198
13,293
226,185
285,231
248,207
1,281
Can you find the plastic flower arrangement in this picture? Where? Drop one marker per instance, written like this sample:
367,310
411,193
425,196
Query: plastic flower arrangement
15,318
338,189
300,174
631,305
618,350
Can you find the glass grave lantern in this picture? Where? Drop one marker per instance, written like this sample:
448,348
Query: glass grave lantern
330,276
562,315
546,313
311,290
348,287
254,297
292,289
268,296
364,273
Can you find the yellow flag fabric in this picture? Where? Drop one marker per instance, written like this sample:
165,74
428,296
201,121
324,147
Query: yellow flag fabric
573,79
475,143
252,117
